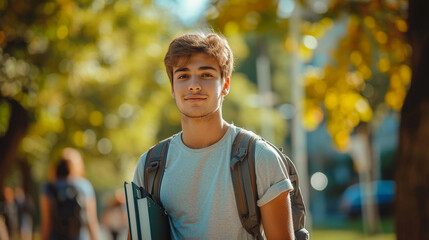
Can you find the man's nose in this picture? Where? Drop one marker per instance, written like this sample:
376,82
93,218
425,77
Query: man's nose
194,84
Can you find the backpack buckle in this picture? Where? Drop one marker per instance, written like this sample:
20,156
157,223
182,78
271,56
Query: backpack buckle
153,165
241,153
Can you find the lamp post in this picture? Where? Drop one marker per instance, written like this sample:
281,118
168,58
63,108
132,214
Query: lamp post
299,141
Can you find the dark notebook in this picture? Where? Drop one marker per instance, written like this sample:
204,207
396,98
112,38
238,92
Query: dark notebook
146,219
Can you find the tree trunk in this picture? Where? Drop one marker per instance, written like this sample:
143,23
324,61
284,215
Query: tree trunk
412,171
18,124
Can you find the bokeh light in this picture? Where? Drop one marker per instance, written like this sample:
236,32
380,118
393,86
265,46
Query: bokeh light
319,181
104,146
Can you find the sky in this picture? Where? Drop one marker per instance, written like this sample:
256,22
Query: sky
188,11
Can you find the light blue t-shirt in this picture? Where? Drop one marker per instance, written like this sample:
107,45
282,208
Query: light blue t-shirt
197,189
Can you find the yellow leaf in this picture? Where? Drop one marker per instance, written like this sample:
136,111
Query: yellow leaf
367,115
383,65
395,98
405,73
78,139
231,27
353,119
395,81
327,22
366,71
312,118
331,100
62,32
305,53
342,140
96,118
356,57
381,37
401,25
369,22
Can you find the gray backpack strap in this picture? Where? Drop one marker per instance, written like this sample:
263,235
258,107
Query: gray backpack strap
154,168
244,181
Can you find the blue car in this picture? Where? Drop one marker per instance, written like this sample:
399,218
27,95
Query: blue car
351,199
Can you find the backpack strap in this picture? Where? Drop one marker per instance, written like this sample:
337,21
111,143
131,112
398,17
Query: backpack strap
52,189
154,168
53,195
244,181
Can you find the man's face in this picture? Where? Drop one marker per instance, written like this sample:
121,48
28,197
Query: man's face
198,87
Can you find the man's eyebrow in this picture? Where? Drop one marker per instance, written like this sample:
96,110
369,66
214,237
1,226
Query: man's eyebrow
207,68
184,69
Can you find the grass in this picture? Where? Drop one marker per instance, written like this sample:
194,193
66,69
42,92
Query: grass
353,230
332,234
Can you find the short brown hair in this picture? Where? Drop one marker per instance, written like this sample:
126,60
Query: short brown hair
183,47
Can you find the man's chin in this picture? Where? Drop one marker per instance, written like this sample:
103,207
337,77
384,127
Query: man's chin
195,116
198,115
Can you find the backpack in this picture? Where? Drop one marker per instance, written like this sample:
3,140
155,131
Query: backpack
243,178
68,213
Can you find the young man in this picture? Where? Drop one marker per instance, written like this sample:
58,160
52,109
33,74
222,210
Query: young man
197,190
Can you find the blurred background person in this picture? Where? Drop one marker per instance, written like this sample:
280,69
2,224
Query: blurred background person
10,213
114,217
3,229
68,204
25,213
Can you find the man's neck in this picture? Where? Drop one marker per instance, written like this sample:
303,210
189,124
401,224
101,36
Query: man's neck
202,132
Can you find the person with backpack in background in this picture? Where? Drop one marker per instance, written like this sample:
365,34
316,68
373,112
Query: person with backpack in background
198,175
68,205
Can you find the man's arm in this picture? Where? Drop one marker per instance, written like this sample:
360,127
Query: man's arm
45,213
91,208
277,218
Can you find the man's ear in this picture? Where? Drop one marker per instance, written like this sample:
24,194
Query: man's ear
226,87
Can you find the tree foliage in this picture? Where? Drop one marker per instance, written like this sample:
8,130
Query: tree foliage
369,72
365,75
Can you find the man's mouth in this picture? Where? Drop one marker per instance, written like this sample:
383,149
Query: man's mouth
195,98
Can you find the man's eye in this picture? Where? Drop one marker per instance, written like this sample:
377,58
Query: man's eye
207,75
182,76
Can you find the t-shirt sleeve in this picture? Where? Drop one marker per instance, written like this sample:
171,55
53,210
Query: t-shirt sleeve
86,187
272,177
139,172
